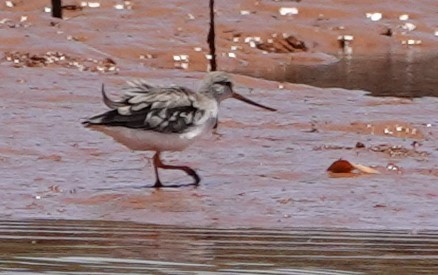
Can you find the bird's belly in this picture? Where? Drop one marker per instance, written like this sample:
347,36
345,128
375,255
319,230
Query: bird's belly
144,140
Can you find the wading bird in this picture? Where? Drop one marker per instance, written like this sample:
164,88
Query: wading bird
149,118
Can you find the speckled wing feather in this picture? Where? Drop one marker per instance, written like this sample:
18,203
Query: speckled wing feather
165,110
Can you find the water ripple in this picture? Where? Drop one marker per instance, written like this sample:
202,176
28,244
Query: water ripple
97,247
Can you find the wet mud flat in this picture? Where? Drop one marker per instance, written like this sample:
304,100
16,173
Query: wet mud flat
264,170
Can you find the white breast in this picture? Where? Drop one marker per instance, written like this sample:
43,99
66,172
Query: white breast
145,140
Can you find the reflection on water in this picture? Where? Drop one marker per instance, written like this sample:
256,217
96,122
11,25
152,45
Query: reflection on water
409,75
95,247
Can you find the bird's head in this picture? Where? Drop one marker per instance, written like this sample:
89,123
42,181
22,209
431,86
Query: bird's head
219,85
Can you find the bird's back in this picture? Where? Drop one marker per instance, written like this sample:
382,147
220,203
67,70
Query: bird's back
159,109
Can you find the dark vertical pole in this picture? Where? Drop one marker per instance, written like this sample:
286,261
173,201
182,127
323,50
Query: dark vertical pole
211,38
56,9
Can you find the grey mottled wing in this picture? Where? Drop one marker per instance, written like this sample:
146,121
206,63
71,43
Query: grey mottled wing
165,110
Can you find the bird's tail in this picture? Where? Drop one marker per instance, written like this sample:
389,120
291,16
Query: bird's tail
100,118
112,104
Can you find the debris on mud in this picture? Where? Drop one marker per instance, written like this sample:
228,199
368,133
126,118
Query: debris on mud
287,44
398,129
50,58
345,42
391,150
387,32
392,167
341,166
399,151
360,145
72,7
332,147
8,23
344,166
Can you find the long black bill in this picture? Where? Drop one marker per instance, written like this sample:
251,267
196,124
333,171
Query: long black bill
249,101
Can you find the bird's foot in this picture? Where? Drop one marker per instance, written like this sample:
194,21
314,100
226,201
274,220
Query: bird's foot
217,135
194,184
158,184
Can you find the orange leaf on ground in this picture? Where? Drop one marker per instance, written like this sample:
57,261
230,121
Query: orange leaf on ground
341,166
